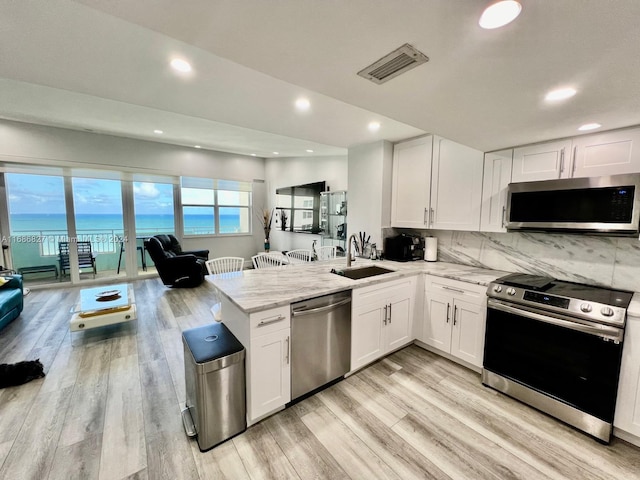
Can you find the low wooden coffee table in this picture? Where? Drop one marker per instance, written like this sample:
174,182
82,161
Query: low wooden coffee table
100,306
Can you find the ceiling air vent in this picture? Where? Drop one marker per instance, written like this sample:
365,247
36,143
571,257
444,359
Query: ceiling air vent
399,61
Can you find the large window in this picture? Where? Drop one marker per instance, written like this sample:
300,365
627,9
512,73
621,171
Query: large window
212,207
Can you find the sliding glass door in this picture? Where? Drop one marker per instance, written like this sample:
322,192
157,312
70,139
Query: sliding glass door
154,214
37,224
99,227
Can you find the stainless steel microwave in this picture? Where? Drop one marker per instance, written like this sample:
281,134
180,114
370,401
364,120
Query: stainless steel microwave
603,205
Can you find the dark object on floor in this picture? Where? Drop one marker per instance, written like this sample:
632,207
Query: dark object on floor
11,302
176,267
19,373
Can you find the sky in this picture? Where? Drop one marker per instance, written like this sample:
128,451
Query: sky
45,194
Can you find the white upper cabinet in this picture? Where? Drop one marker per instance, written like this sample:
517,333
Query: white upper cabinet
544,161
496,179
410,191
437,183
456,186
607,153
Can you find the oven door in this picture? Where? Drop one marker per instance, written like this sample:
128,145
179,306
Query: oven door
575,363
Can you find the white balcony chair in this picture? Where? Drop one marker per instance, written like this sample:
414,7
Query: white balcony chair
299,256
224,265
267,260
327,252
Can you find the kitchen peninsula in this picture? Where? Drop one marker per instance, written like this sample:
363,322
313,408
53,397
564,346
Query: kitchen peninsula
256,308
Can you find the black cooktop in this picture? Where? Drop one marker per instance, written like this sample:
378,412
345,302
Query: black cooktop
606,296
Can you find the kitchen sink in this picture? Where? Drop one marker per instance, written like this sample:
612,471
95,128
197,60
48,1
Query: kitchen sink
362,272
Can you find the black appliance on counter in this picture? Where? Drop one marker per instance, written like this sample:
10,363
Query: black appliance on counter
557,346
404,248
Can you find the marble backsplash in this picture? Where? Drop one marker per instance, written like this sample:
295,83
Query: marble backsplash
606,261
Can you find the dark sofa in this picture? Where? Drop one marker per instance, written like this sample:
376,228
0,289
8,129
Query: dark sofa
11,300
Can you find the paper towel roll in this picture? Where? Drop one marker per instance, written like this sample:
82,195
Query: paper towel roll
431,249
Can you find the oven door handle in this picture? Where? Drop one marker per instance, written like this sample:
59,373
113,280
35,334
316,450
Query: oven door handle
604,331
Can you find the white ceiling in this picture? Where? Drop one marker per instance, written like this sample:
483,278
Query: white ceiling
103,65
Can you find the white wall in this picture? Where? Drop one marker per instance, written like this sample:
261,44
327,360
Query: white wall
35,144
370,189
285,172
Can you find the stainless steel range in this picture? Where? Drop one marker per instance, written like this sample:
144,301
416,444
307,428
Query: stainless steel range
557,346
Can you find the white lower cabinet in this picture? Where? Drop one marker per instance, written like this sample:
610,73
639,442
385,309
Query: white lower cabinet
266,337
454,318
381,319
270,372
627,417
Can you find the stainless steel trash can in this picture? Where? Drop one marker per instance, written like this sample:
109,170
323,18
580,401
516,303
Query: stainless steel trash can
215,384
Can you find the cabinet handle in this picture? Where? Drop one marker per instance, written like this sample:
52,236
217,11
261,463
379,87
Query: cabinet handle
286,352
575,159
389,313
455,314
431,215
385,315
457,290
448,311
271,320
504,215
424,217
561,162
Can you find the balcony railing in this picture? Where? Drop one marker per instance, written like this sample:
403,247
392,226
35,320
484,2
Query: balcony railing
102,240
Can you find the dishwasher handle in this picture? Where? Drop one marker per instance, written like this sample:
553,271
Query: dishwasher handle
300,313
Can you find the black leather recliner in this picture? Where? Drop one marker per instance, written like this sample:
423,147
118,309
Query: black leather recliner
176,267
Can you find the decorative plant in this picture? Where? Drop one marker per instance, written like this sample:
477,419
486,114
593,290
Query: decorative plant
266,219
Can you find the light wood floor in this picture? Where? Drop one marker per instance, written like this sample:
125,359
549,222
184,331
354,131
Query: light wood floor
109,408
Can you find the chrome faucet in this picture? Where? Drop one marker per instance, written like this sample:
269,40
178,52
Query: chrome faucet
353,236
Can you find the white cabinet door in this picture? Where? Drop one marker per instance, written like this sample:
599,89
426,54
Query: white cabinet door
456,186
410,191
545,161
270,373
608,153
398,328
437,323
467,339
366,334
627,416
496,178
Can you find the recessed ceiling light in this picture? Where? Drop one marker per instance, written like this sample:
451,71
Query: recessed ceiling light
560,94
197,146
180,65
309,151
374,126
303,104
276,153
158,132
253,154
589,126
500,13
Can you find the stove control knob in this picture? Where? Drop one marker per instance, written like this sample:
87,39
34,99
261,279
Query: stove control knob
586,308
511,291
497,288
607,311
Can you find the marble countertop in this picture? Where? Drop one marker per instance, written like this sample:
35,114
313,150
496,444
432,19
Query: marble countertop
256,290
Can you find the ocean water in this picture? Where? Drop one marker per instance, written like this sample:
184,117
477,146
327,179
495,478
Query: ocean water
55,224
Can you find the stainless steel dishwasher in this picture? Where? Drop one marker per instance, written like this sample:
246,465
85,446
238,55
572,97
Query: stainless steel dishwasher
320,341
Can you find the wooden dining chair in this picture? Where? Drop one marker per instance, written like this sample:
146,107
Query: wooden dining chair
267,260
299,256
224,265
